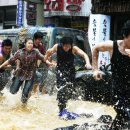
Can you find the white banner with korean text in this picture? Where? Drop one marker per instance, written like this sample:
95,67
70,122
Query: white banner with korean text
99,31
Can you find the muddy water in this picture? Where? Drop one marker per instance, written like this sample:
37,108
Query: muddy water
41,112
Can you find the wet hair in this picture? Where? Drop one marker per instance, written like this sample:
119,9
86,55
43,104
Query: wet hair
126,29
66,40
6,42
37,35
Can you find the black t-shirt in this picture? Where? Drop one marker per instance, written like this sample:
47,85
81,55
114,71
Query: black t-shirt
120,69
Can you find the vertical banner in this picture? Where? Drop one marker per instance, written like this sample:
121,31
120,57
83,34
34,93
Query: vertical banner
99,31
19,15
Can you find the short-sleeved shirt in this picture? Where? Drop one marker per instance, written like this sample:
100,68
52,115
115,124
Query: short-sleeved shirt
41,48
28,62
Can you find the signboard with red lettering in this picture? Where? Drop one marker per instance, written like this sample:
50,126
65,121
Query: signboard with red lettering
53,5
67,8
73,5
99,31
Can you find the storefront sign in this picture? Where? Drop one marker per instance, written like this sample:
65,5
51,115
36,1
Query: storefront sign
19,14
31,13
53,5
99,31
73,7
68,8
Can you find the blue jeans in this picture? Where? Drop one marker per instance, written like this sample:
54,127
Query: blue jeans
4,77
38,77
26,89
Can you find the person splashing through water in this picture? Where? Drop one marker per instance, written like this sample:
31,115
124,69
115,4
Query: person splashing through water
120,59
65,68
28,57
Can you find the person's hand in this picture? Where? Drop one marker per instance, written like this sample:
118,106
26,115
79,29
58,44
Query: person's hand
52,64
15,71
97,75
88,66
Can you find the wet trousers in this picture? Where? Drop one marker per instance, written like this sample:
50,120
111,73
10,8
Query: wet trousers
26,89
4,77
65,85
122,107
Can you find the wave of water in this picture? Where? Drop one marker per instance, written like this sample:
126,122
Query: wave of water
41,112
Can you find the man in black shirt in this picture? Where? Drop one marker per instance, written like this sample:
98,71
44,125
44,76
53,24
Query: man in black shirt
65,68
120,59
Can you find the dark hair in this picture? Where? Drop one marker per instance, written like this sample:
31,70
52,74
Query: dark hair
26,39
6,42
37,35
126,29
67,40
21,45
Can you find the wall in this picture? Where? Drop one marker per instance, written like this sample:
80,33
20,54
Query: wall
8,2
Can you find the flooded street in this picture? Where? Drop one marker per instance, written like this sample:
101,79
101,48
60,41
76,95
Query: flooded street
41,112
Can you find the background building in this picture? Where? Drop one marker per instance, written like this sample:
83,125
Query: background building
61,13
8,13
119,10
67,13
17,13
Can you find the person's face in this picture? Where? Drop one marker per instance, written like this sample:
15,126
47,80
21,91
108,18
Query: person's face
29,45
66,47
37,41
127,42
7,50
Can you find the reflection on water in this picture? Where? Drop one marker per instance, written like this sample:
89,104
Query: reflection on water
41,112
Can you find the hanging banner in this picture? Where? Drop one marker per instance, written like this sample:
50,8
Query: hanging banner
19,15
99,31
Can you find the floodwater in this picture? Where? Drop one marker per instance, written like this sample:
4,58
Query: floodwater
41,112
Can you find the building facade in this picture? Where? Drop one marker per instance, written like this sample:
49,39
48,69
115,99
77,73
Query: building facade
8,13
67,13
119,10
61,13
17,13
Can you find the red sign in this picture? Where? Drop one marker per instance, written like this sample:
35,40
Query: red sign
74,5
74,2
53,5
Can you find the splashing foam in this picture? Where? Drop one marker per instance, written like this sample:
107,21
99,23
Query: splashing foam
11,99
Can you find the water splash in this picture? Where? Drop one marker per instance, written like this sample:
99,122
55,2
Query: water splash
41,112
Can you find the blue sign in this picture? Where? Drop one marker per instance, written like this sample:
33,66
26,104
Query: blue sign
19,14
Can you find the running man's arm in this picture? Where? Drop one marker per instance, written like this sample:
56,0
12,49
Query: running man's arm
77,50
49,52
4,64
100,47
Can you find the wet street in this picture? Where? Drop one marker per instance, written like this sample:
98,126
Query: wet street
41,112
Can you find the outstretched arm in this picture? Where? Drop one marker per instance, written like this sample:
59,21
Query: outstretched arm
101,47
77,50
4,64
49,52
